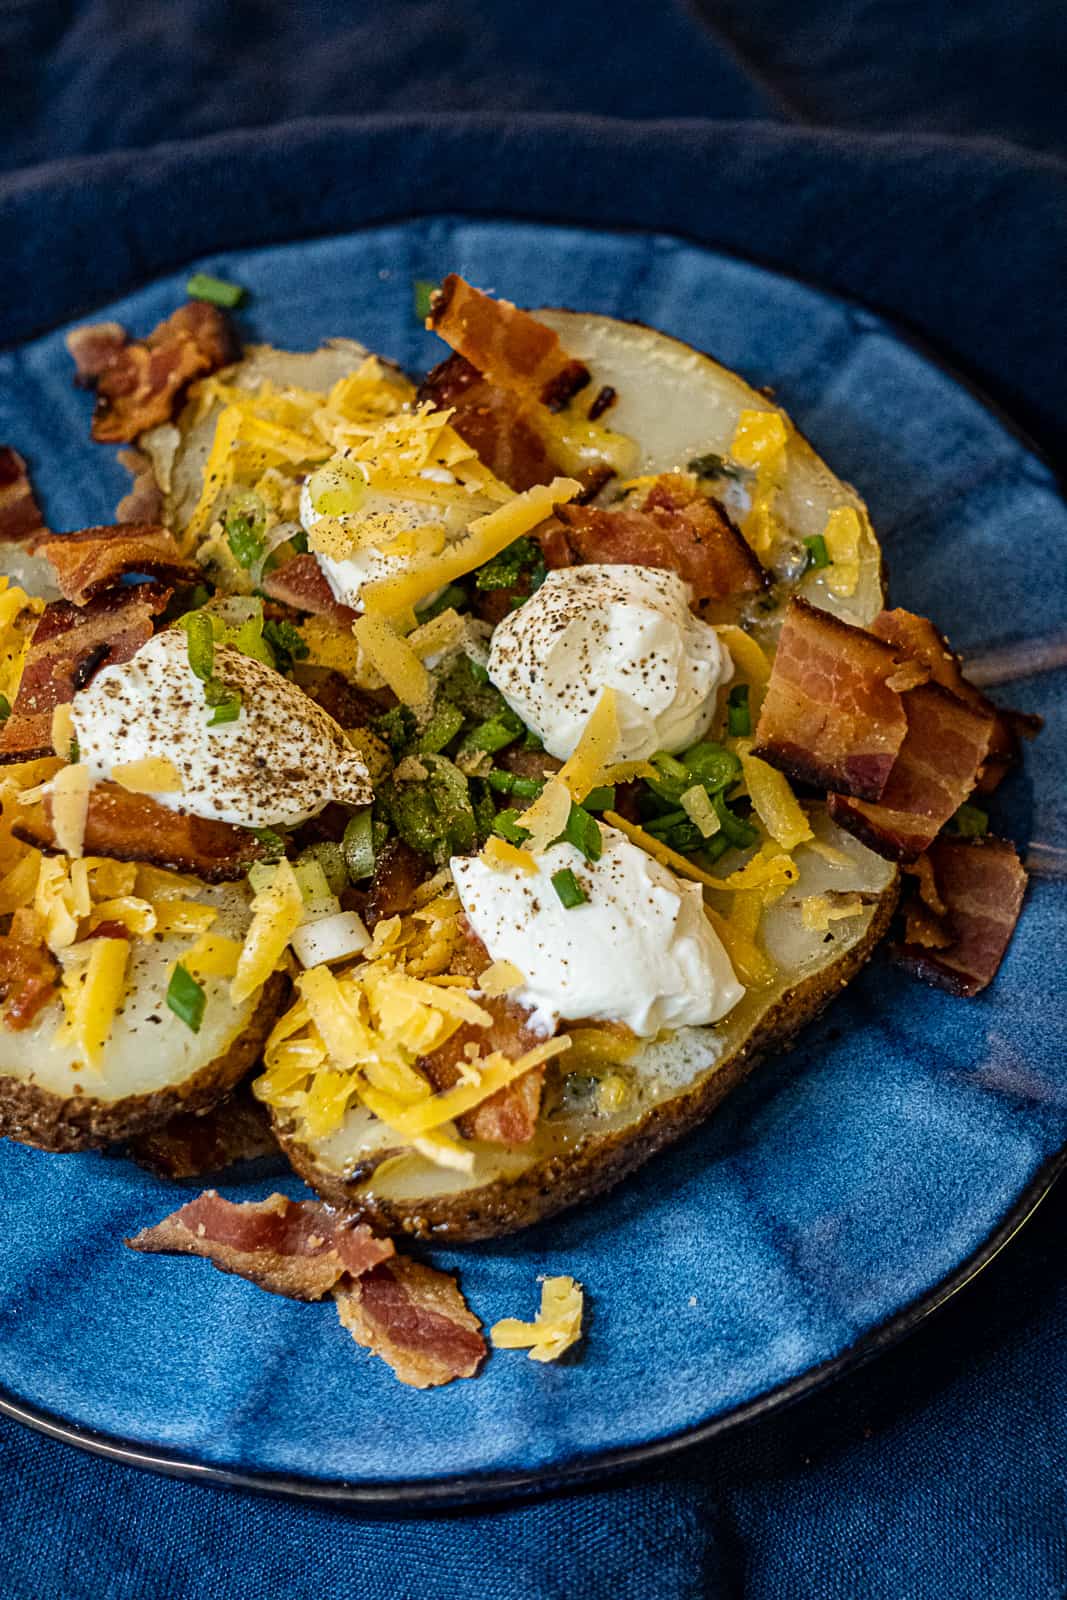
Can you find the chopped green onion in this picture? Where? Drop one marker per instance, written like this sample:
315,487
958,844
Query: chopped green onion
818,555
568,888
511,783
272,842
712,465
738,716
330,857
711,765
243,540
357,846
523,558
248,638
5,707
287,643
447,600
299,543
478,672
441,729
735,830
530,740
495,732
397,728
583,832
201,637
423,291
671,779
971,822
74,754
506,823
225,711
216,291
601,798
186,998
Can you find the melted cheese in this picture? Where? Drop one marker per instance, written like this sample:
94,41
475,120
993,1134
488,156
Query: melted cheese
759,443
773,800
843,534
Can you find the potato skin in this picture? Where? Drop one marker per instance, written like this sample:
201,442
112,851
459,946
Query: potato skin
598,1163
35,1116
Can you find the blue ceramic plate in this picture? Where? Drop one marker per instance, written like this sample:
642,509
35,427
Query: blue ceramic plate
844,1190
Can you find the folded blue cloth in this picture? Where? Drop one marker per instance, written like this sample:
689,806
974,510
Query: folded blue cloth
939,1469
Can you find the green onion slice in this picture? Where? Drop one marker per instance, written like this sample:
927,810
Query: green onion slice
186,998
216,291
818,555
506,824
971,822
357,846
422,292
583,832
738,715
568,888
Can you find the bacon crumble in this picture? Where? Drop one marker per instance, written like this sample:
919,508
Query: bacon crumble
21,521
416,1320
93,560
301,583
980,883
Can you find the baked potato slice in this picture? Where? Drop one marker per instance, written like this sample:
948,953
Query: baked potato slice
153,1064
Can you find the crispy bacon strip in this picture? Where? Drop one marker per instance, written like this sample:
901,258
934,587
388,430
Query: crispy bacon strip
694,538
416,1319
29,974
935,770
510,1115
134,827
300,1249
71,643
493,422
300,583
982,883
922,641
21,521
507,346
94,559
237,1130
832,716
140,383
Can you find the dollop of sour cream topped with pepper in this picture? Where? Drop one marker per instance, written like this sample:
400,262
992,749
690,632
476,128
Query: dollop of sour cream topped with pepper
637,949
277,763
623,627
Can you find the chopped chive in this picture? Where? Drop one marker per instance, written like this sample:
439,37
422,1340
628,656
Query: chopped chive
568,888
583,832
447,600
818,555
712,465
216,291
272,842
530,741
357,846
226,711
186,998
495,732
423,290
506,823
74,754
478,672
711,765
287,643
735,830
445,723
971,822
738,715
523,558
601,798
511,783
299,542
201,637
243,540
5,707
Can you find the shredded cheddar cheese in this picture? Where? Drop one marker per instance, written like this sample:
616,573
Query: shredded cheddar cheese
843,534
153,775
662,852
100,988
587,767
70,807
773,800
818,911
500,854
394,658
500,978
760,442
277,912
556,1327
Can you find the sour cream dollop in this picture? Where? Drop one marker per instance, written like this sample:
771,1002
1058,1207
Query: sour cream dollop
640,950
278,764
623,627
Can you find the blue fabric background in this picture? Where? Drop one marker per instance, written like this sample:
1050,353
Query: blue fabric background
910,155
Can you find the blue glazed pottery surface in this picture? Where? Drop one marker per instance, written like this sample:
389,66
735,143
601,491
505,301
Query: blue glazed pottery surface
840,1185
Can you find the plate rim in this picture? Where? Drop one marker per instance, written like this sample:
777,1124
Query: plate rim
504,1485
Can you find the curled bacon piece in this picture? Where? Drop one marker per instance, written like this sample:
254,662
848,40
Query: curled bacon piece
675,529
832,715
934,772
29,974
94,559
300,583
20,516
510,1115
981,883
416,1319
70,644
140,383
300,1249
493,421
918,637
134,827
236,1130
507,346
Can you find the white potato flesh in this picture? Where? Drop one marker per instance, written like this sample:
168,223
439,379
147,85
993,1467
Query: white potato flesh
150,1048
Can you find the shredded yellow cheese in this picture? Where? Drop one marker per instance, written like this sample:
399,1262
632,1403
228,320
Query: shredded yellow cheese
497,1072
557,1326
499,853
212,956
843,534
102,986
500,978
70,807
153,775
546,817
63,730
661,852
773,800
277,912
587,767
817,911
746,653
760,443
394,658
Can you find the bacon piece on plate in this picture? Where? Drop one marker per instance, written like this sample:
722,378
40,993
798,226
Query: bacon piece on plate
29,974
20,515
140,383
143,501
134,827
493,422
94,559
507,346
982,883
510,1115
297,1248
236,1130
416,1319
832,715
933,774
300,583
71,643
922,641
697,540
